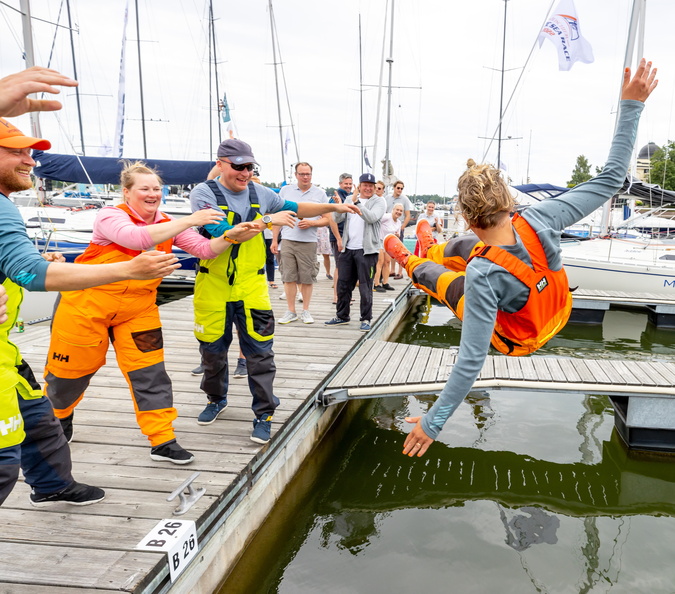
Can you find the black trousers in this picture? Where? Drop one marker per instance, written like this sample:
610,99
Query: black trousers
354,265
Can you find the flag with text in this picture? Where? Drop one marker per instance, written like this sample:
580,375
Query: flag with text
563,30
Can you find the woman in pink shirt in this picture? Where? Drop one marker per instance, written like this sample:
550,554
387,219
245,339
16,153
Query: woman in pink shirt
125,312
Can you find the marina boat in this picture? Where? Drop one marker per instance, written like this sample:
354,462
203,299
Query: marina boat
621,264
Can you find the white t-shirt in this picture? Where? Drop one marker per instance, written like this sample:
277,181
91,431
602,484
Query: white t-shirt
389,225
432,219
356,228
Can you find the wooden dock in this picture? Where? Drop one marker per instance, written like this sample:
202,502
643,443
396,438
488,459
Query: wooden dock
425,370
63,548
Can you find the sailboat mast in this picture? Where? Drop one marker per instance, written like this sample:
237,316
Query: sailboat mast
27,27
276,85
140,78
215,69
390,61
210,90
501,93
77,89
379,84
361,95
636,31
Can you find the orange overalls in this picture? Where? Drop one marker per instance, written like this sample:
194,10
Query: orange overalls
542,317
125,314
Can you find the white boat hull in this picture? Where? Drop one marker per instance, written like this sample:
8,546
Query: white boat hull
619,265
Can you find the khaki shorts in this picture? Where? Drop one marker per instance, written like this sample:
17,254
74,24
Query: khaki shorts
298,262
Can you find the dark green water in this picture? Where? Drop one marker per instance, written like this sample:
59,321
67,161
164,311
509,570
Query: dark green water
522,492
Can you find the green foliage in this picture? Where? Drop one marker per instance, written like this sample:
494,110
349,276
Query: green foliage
581,172
663,167
269,185
427,197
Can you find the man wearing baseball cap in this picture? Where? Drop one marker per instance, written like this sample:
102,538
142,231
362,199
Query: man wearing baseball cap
31,438
361,245
232,289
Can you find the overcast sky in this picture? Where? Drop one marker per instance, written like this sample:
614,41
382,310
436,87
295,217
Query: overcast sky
452,50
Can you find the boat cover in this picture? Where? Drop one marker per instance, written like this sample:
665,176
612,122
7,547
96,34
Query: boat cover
106,170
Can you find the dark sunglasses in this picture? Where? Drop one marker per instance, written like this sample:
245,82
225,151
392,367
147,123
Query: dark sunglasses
247,166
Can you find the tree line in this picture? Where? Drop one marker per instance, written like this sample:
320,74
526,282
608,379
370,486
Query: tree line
662,170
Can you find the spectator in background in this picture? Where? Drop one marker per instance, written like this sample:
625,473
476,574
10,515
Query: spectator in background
391,223
299,266
361,246
345,183
398,197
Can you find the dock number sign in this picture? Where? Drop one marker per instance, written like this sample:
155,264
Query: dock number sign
177,538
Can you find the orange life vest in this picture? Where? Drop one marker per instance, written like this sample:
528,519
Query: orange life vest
108,254
550,302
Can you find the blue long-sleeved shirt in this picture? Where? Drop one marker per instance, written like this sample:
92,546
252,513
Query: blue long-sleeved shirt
19,260
490,287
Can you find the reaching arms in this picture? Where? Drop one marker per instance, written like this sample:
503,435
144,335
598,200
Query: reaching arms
71,277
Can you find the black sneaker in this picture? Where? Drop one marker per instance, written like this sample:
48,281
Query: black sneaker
380,289
75,494
171,452
388,287
67,426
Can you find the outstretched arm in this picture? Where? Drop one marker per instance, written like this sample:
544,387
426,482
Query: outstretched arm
71,277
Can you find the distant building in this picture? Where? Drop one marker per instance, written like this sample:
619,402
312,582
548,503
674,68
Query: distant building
644,160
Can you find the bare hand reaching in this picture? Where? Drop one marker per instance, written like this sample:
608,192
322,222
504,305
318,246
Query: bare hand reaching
642,84
152,264
207,216
417,442
15,88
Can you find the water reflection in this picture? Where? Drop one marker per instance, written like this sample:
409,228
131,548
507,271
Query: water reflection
371,519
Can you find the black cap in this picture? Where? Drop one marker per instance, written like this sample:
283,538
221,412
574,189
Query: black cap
368,178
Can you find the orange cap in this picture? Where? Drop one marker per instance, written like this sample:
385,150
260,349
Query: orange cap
12,137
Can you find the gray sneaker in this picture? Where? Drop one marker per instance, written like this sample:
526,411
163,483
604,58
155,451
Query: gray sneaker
288,317
241,370
306,317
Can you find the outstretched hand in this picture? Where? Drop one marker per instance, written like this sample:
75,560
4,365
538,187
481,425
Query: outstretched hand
15,88
417,442
642,84
151,264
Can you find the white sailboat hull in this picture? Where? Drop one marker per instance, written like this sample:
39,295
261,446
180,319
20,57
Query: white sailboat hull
621,265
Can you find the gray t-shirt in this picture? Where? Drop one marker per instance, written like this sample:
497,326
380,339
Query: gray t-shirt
202,197
402,199
295,194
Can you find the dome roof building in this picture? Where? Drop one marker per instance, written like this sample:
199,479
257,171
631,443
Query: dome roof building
644,163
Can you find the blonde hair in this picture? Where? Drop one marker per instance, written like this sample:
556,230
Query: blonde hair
484,198
131,169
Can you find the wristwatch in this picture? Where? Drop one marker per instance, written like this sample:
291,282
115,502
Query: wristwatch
267,219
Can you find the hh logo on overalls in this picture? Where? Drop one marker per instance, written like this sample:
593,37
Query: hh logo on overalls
542,284
60,357
10,425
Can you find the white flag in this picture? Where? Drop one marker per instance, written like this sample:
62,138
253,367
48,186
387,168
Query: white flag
563,29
